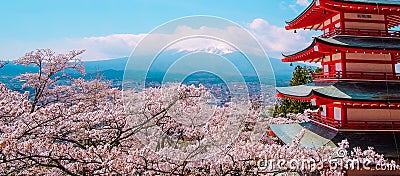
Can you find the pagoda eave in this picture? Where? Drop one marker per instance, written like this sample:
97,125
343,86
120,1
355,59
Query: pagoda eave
317,50
304,99
316,13
373,92
309,17
309,54
321,99
362,7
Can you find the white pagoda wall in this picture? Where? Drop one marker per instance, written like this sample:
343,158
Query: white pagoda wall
360,66
373,114
368,67
363,25
361,62
364,21
357,16
368,56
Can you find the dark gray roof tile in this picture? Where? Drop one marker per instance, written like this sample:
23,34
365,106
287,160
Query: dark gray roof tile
361,91
354,42
363,42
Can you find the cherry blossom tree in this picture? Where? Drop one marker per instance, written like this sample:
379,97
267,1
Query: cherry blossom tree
89,128
51,69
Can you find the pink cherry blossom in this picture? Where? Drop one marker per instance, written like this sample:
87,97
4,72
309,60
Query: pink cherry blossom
89,128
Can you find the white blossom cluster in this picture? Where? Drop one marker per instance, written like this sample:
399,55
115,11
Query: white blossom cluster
88,128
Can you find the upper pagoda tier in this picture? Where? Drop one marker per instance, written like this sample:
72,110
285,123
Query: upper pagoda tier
351,57
330,15
329,49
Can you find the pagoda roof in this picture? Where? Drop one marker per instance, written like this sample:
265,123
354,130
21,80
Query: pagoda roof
363,42
287,132
344,43
313,13
383,142
317,136
298,91
374,2
355,91
316,13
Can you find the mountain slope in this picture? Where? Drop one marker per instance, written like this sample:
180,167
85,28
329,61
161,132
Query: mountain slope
177,64
189,63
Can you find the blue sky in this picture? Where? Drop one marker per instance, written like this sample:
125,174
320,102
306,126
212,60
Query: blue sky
65,24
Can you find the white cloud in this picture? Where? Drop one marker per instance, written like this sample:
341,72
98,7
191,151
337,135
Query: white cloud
293,7
273,38
302,2
120,45
111,46
277,39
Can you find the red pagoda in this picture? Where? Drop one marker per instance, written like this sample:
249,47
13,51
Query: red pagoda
358,91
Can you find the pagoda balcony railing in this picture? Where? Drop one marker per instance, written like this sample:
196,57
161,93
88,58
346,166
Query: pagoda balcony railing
324,120
358,125
357,75
361,32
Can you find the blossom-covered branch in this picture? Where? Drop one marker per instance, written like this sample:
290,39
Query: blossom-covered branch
89,128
